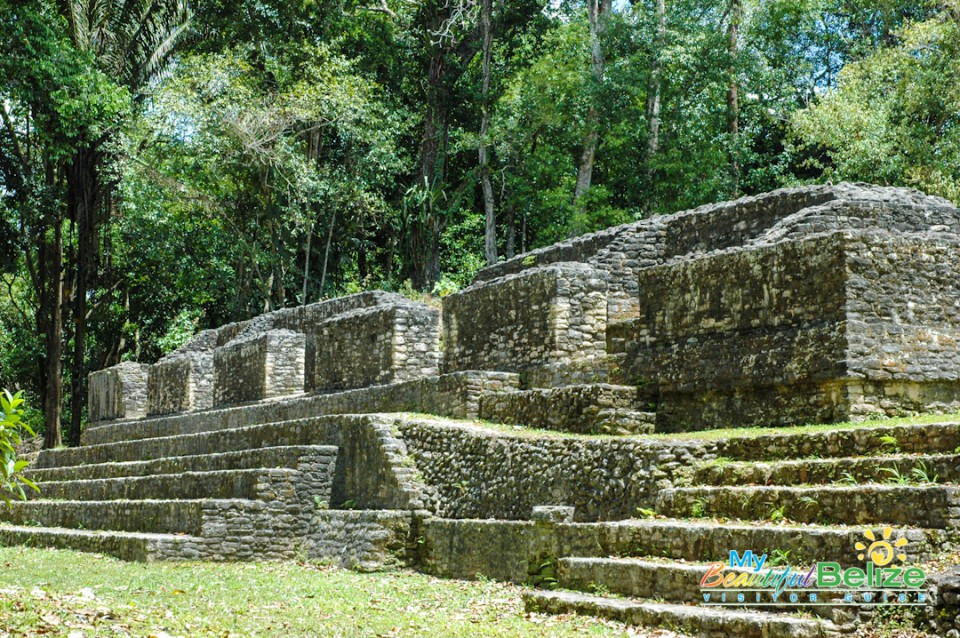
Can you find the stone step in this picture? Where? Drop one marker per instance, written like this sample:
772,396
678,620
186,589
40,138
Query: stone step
462,548
866,440
186,423
929,506
706,622
453,395
312,431
595,408
937,468
671,582
151,516
238,484
124,545
634,577
269,457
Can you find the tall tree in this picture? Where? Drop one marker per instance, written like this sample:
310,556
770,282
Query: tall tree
130,41
733,92
597,13
490,236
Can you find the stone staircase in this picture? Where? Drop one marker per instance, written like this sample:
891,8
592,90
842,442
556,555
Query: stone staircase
811,504
230,489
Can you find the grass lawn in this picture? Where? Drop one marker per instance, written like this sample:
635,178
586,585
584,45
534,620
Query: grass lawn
62,593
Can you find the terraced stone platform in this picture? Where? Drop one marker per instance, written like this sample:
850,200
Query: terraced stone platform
539,425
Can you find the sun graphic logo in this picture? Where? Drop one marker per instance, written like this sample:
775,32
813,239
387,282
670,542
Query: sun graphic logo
881,551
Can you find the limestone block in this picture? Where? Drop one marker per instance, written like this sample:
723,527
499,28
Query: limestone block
119,392
839,326
260,367
553,314
180,383
373,346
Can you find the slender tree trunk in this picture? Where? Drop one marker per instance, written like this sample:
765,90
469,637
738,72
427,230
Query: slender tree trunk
83,199
306,266
326,251
490,237
597,11
656,81
733,93
511,247
653,100
52,314
425,235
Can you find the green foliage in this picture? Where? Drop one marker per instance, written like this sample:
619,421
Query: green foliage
777,514
894,476
12,428
895,115
921,474
181,330
284,158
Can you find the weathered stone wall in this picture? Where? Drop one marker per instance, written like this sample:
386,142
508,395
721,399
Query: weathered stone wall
180,383
514,550
903,328
264,366
832,327
366,540
119,392
943,612
374,346
583,409
455,395
474,472
555,314
746,337
782,214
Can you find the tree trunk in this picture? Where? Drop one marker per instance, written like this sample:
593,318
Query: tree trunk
511,250
425,234
733,93
490,237
326,251
656,81
83,201
306,266
653,100
597,11
51,312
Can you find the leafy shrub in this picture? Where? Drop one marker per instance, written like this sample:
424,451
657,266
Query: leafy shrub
11,435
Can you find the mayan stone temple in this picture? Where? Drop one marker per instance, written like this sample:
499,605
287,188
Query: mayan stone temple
526,430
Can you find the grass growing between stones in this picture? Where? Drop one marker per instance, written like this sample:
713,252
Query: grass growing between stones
725,433
62,593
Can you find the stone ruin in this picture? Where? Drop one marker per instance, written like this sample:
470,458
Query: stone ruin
291,434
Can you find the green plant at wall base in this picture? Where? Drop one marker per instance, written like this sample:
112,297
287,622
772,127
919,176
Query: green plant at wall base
12,428
779,557
598,589
895,477
698,508
646,513
890,443
921,474
777,514
848,479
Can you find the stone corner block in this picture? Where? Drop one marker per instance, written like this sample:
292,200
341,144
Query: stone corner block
118,392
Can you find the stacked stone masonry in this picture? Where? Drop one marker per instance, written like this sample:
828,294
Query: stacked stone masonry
268,438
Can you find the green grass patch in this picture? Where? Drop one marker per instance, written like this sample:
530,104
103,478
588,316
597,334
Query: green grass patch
63,593
699,435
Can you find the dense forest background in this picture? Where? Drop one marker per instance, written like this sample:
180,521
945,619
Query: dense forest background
167,166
